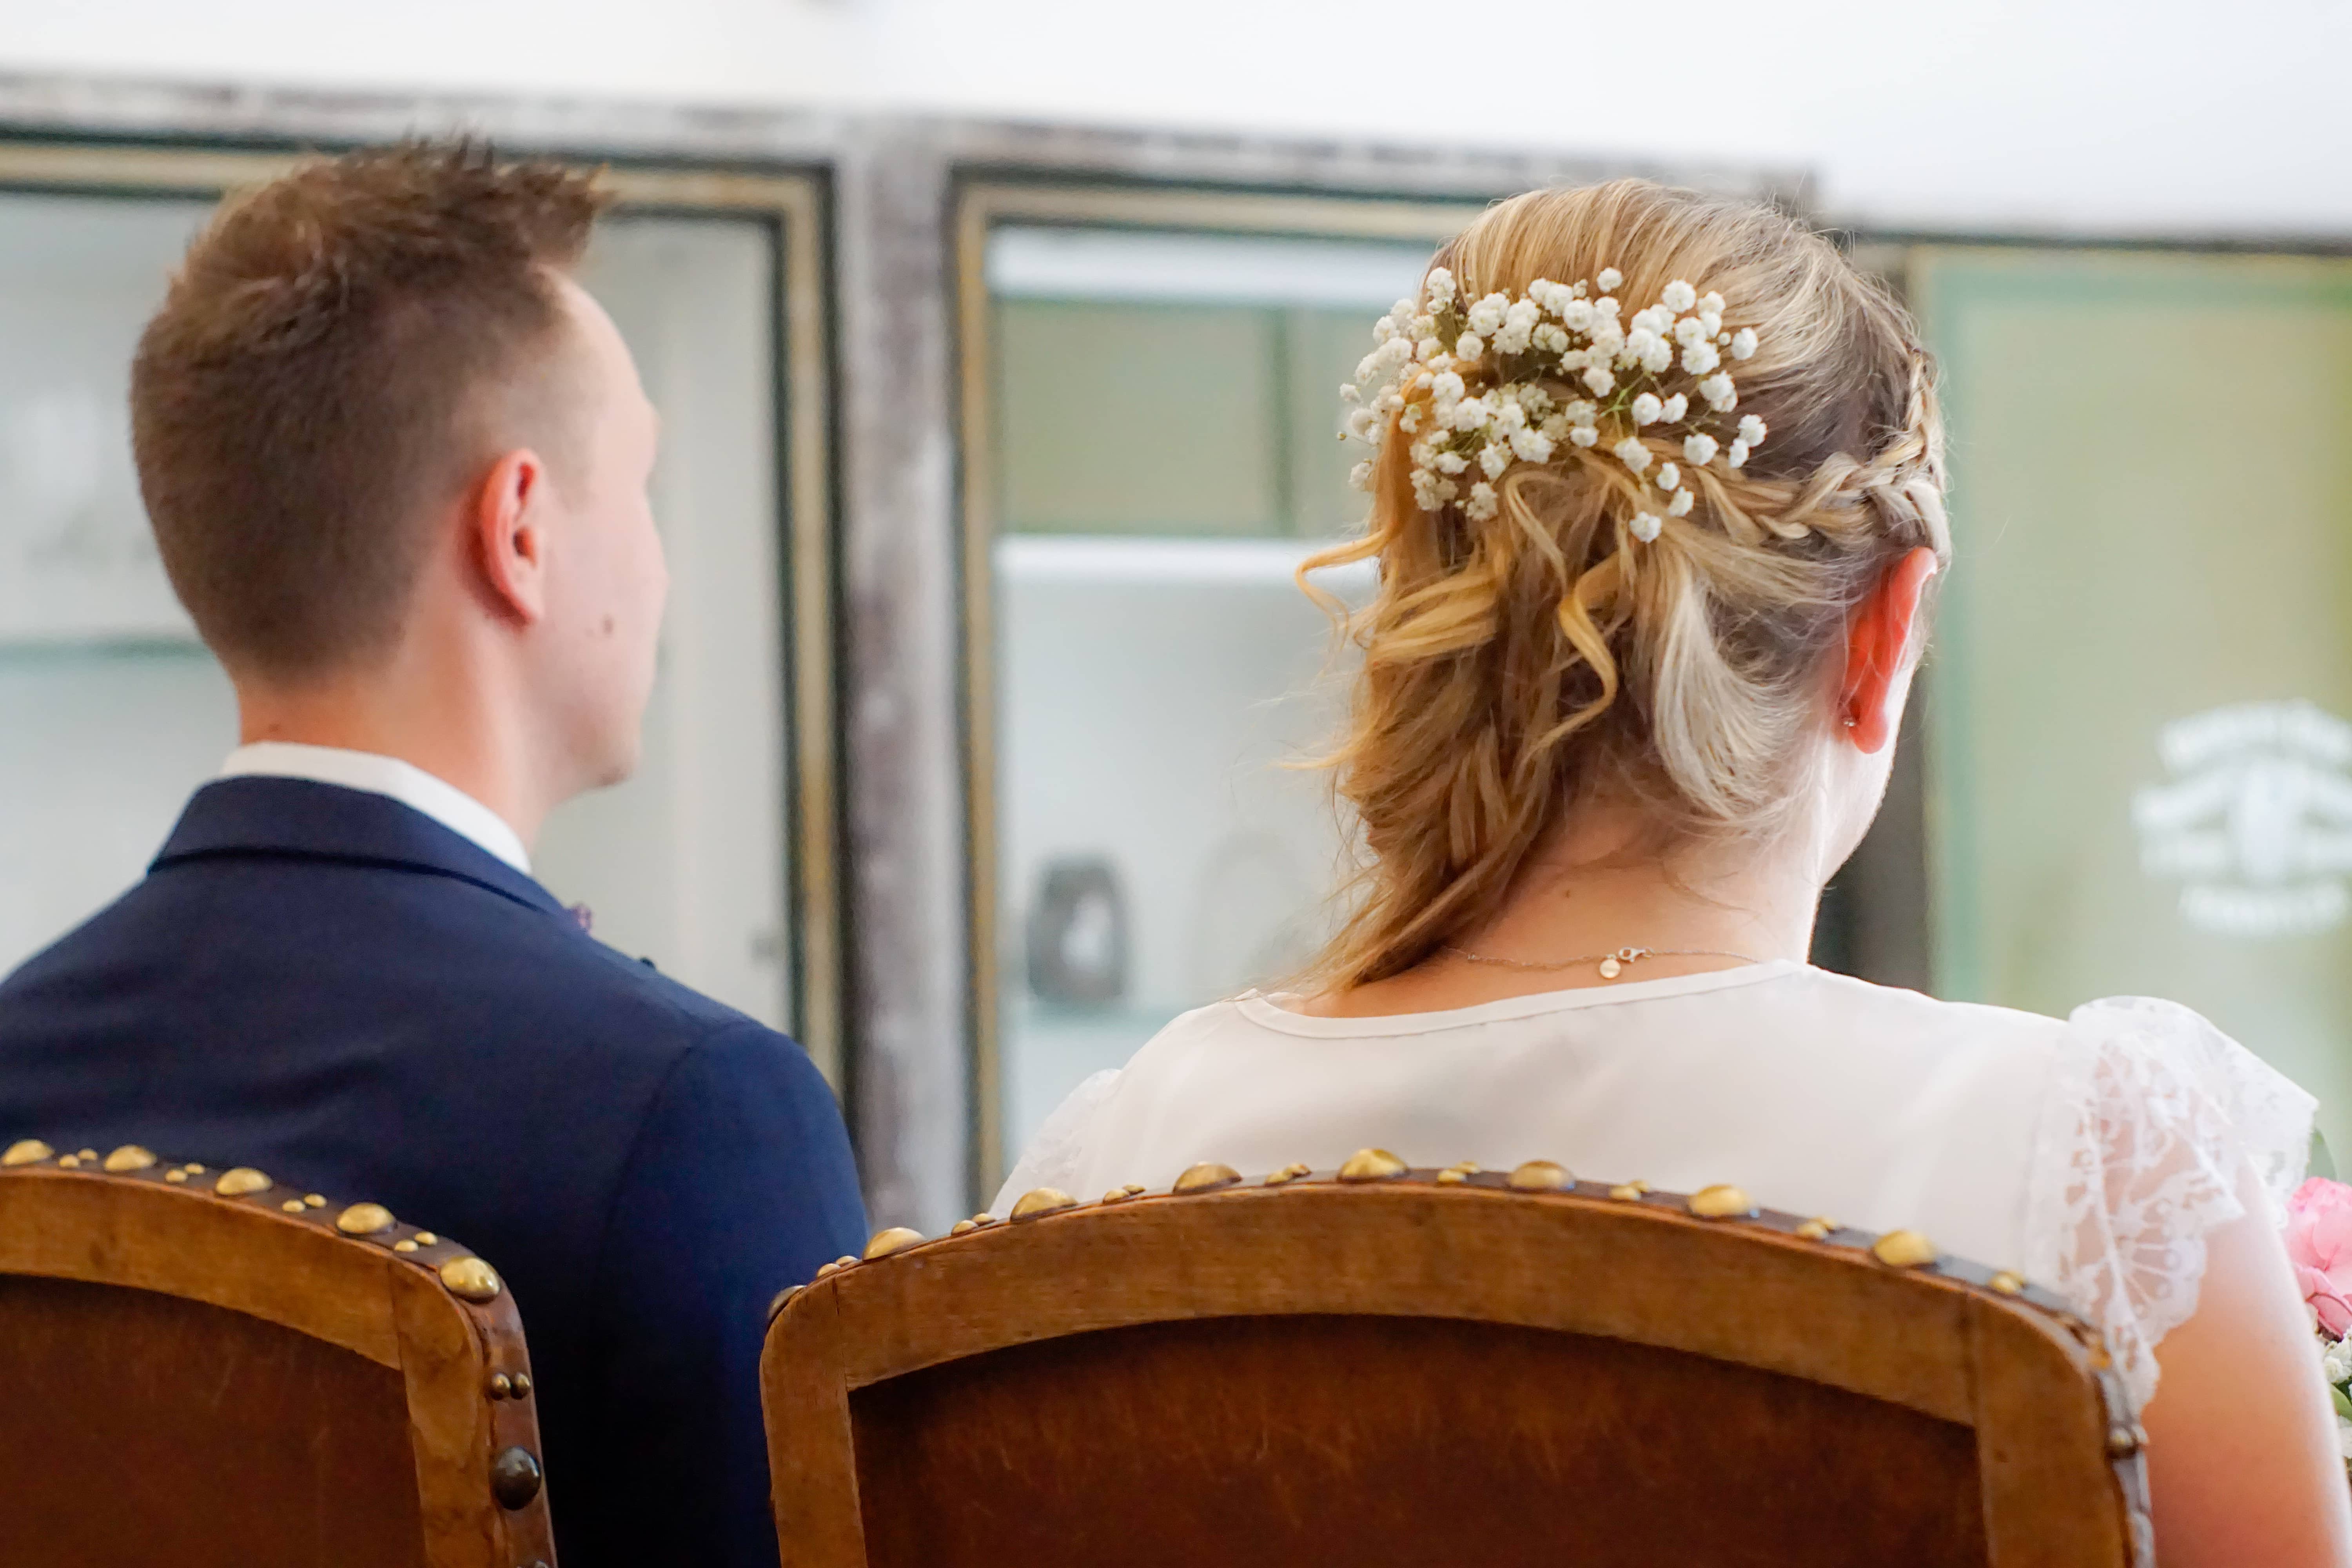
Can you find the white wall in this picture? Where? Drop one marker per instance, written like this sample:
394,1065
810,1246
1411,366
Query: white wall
2144,115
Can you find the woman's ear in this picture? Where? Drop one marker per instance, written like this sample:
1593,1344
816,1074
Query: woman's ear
507,527
1879,652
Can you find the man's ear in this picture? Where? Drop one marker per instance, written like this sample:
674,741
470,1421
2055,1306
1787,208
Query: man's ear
1878,647
509,534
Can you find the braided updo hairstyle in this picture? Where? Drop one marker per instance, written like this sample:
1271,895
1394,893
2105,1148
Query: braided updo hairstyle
1543,658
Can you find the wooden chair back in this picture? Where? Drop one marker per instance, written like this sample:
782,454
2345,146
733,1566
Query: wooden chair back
207,1369
1377,1365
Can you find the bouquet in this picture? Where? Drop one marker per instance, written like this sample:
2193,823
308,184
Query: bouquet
2319,1243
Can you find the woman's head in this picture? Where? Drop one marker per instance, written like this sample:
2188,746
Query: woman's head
1627,603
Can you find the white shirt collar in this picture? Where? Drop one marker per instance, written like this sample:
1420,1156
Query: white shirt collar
410,785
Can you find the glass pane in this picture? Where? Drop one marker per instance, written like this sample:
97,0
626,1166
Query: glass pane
112,712
2139,758
1166,412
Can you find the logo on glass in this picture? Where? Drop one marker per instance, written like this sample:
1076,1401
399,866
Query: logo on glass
2256,821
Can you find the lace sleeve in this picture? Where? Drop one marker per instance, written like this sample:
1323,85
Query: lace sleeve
1058,1153
2151,1116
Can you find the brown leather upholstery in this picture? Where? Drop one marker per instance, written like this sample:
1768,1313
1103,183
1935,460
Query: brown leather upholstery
208,1381
1335,1373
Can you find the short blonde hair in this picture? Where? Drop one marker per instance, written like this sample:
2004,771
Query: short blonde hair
1516,666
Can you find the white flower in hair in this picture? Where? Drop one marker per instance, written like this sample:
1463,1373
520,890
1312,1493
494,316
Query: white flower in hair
1471,414
1743,343
1582,435
1669,478
1487,313
1469,345
1677,406
1737,456
1348,393
1689,330
1605,306
1580,411
1720,395
1751,429
1680,506
1657,355
1679,296
1439,286
1446,386
1657,319
1493,458
1711,303
1384,329
1360,476
1698,449
1450,463
1362,423
1632,453
1610,278
1597,377
1428,351
1700,358
1531,445
1645,526
1578,315
1646,409
1482,502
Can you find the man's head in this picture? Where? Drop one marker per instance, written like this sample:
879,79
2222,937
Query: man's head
379,429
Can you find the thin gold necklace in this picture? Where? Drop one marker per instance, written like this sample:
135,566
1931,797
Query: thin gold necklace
1612,963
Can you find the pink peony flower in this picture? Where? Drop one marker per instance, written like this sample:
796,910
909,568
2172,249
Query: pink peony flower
2319,1243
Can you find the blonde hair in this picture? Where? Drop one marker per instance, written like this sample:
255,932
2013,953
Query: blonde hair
1517,667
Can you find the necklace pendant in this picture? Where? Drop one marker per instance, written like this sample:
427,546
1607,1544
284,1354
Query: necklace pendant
1609,968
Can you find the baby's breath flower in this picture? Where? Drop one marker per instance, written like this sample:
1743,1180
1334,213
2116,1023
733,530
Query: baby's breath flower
1487,313
1555,426
1743,343
1348,393
1583,435
1469,345
1452,462
1551,339
1483,504
1711,302
1751,430
1688,331
1679,296
1669,477
1446,386
1410,420
1439,286
1700,358
1720,395
1657,355
1384,329
1597,377
1428,351
1677,406
1632,453
1646,409
1657,319
1362,423
1577,314
1645,526
1709,322
1737,456
1360,476
1698,450
1493,458
1610,278
1531,445
1604,306
1680,506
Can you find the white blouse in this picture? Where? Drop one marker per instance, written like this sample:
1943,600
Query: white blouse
2092,1155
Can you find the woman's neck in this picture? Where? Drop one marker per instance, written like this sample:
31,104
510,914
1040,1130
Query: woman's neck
1586,891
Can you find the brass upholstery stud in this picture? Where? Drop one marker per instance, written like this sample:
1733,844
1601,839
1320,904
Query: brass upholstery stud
514,1478
313,1200
2123,1442
129,1157
88,1156
1281,1178
2007,1282
241,1182
68,1161
1116,1195
500,1385
364,1219
1043,1201
1206,1177
523,1385
1540,1176
1818,1228
1449,1177
1133,1188
25,1151
1904,1249
292,1205
471,1280
1372,1165
1722,1201
192,1168
177,1178
1630,1192
426,1239
897,1238
962,1228
405,1244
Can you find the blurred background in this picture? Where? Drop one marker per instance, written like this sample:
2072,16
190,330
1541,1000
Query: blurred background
999,342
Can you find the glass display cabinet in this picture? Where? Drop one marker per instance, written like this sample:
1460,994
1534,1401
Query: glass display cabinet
2138,766
1150,419
717,859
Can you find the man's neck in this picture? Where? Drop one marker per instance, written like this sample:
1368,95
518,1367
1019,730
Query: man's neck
450,733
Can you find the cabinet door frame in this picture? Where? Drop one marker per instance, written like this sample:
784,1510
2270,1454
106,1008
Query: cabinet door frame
982,203
794,202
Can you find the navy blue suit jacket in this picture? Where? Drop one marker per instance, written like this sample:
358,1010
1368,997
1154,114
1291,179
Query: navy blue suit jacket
336,988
